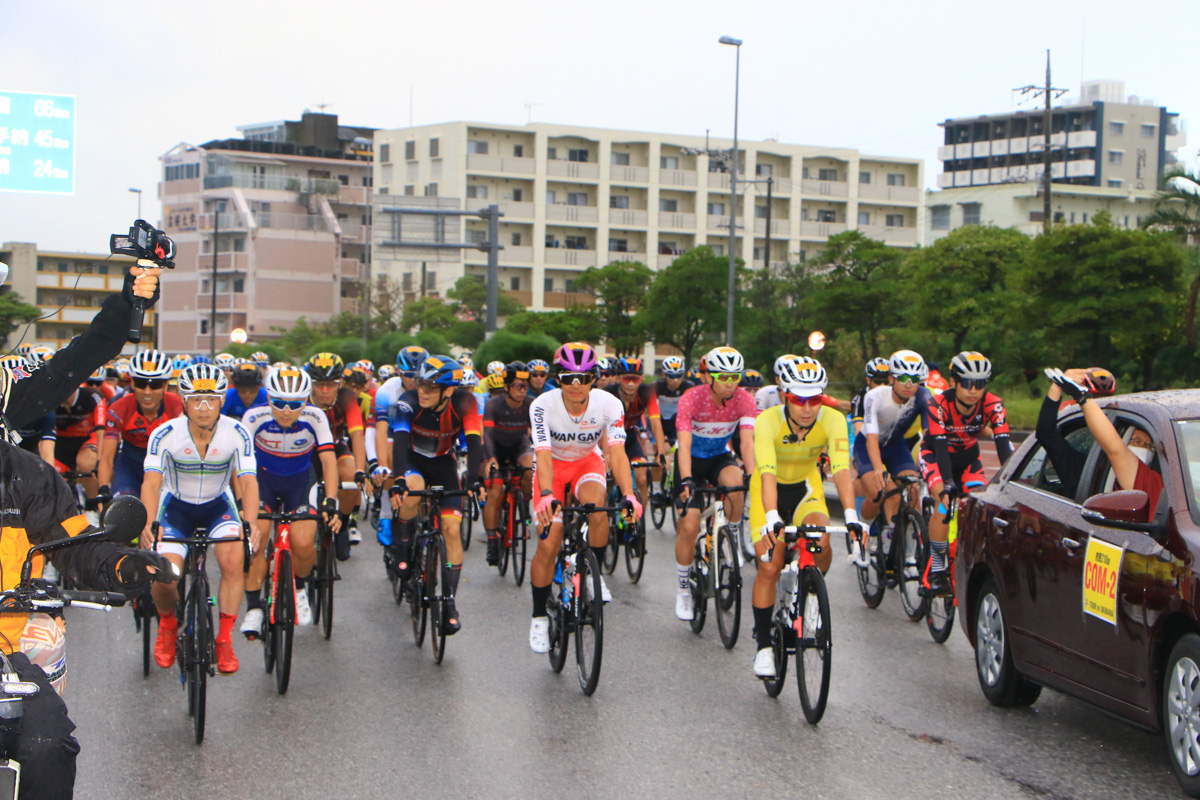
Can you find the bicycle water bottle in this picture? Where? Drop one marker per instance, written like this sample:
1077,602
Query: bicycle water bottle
787,580
383,531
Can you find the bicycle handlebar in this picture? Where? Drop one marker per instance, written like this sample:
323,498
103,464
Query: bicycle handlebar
438,491
287,517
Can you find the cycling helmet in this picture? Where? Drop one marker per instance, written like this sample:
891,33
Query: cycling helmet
576,357
288,383
628,365
99,376
908,362
803,377
202,379
606,365
442,370
539,367
970,365
260,358
1100,382
366,364
201,360
8,377
23,350
223,360
673,367
781,361
724,359
40,355
516,370
495,368
179,364
465,360
385,371
493,383
410,359
470,378
122,369
280,365
14,363
246,374
702,365
150,365
878,370
752,379
355,376
325,367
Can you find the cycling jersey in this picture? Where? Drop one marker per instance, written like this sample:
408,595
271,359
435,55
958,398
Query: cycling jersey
547,386
345,416
287,451
505,426
643,402
41,429
433,433
856,404
794,461
82,418
385,400
126,420
234,407
961,432
194,477
711,425
571,438
668,399
890,420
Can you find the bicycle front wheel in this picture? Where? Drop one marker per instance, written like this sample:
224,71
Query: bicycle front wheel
435,588
609,554
698,584
912,551
470,514
327,569
635,550
658,514
589,621
202,653
520,539
506,534
728,600
285,620
557,614
814,646
416,592
779,647
872,582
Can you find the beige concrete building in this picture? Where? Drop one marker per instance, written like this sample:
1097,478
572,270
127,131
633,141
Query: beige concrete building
68,287
577,197
280,218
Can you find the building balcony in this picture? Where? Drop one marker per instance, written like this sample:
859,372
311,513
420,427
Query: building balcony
775,265
274,183
514,254
889,235
667,259
779,227
352,269
677,177
720,222
778,185
226,302
629,174
825,188
354,195
821,230
672,220
889,194
66,280
567,299
626,255
354,232
570,258
501,164
578,170
226,262
524,298
79,314
515,210
625,217
564,213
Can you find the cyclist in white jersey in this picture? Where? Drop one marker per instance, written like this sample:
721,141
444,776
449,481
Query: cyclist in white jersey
190,464
570,424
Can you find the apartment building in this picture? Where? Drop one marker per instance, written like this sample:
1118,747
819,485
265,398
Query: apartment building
277,224
68,288
576,197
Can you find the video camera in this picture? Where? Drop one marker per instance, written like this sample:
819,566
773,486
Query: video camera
143,241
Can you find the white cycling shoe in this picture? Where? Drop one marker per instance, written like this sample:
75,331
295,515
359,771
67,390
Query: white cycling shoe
303,612
252,624
764,663
685,608
539,634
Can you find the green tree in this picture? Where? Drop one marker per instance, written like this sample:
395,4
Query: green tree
14,311
387,304
620,288
1177,208
781,320
507,346
686,304
576,324
428,313
471,295
468,334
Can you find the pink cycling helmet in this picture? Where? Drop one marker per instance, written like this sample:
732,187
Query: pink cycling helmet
575,357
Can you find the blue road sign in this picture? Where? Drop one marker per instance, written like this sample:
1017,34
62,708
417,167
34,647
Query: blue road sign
37,142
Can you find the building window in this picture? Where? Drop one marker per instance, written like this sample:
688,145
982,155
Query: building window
1115,183
63,266
940,218
718,249
1085,218
827,174
895,179
551,241
239,285
552,153
577,242
434,147
476,236
577,198
518,151
760,254
204,326
547,284
1116,128
668,162
618,245
763,170
716,209
410,150
551,197
761,212
1149,130
570,285
406,282
620,159
972,213
895,220
1036,216
618,201
668,205
239,244
383,190
430,281
864,218
1116,157
431,190
579,155
476,148
515,284
826,215
516,240
517,195
668,248
864,177
410,190
477,192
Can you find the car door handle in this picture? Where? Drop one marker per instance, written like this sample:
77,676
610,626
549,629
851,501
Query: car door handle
1070,544
1000,523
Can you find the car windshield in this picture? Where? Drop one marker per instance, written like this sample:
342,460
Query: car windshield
1188,432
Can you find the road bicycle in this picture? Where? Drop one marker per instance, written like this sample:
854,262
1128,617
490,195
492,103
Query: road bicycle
631,534
893,560
427,569
324,575
802,625
715,572
514,521
661,502
940,608
471,507
195,643
279,621
575,604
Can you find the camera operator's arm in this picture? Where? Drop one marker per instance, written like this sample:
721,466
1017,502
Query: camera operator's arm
53,383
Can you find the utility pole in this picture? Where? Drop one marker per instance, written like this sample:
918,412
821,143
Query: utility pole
212,320
1050,93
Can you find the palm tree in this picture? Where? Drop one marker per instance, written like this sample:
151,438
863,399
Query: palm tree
1177,208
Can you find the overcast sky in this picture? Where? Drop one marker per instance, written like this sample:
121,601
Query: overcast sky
877,75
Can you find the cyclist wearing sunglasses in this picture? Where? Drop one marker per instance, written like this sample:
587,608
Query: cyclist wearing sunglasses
539,378
950,457
408,362
78,423
287,434
891,413
639,400
877,372
191,462
787,489
340,405
247,391
425,425
708,417
130,421
506,444
605,376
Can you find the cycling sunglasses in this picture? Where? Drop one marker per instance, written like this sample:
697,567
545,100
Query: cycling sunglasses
575,378
727,377
429,386
206,400
288,405
973,383
907,379
631,378
797,400
518,385
149,383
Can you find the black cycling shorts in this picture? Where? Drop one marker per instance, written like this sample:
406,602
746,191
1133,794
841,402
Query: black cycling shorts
705,472
438,471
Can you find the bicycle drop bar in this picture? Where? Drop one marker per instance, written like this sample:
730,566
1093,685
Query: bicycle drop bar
793,533
280,518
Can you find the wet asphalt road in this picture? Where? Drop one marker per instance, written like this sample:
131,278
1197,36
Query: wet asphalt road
370,715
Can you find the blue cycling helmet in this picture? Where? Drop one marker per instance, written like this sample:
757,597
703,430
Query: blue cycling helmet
442,370
201,360
539,367
410,358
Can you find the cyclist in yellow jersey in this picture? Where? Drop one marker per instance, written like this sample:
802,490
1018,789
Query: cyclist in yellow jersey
786,488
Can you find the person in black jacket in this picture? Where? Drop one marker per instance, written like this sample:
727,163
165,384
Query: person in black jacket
1068,462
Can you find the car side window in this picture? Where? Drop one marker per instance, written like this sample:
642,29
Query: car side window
1104,480
1039,472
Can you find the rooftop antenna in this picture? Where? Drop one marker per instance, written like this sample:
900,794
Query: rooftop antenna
529,112
322,106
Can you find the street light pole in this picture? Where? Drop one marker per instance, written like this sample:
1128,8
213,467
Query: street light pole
736,43
138,192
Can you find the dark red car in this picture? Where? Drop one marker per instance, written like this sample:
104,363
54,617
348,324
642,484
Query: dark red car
1067,582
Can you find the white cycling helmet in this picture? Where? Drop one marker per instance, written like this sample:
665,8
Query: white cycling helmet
908,362
385,371
724,359
150,365
224,361
288,383
802,376
970,365
470,378
673,367
495,368
202,379
782,362
14,362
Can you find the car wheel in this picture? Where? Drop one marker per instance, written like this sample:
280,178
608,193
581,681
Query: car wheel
1181,712
998,678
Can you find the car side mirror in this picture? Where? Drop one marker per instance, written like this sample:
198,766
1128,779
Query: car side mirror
1127,510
